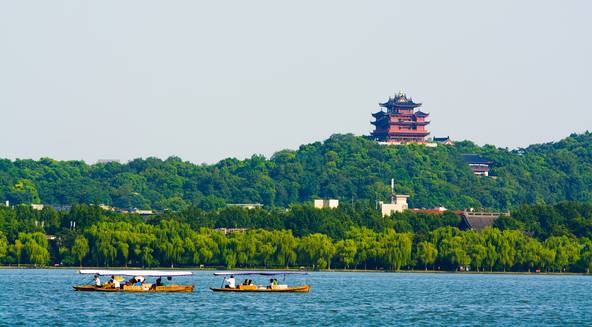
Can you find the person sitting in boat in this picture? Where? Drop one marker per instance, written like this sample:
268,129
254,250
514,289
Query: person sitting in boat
115,282
139,280
97,281
270,283
231,282
157,283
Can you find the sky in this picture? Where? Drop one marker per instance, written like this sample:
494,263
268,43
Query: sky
207,80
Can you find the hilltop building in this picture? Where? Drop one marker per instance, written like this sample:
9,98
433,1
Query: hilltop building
479,165
326,203
443,140
398,202
400,123
227,231
246,205
142,212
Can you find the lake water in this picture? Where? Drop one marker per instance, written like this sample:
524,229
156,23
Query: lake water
46,297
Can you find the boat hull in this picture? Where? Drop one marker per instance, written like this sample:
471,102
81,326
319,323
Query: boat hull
295,289
137,289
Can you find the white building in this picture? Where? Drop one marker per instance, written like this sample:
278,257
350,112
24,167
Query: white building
398,202
246,205
326,203
142,212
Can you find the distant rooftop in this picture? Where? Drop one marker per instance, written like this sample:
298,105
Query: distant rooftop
478,220
476,159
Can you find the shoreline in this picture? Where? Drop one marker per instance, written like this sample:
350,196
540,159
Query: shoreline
421,271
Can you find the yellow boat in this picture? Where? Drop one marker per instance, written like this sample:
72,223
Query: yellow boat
138,289
137,275
294,289
272,288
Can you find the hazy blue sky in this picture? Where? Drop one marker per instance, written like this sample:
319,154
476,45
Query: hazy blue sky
215,79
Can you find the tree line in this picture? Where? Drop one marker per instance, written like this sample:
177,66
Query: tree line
402,241
345,167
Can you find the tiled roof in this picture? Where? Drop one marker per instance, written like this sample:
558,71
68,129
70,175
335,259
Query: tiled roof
476,159
478,221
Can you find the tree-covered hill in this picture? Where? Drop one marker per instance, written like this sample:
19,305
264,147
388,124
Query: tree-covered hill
344,166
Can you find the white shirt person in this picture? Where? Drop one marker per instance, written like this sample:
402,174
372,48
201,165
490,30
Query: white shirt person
231,282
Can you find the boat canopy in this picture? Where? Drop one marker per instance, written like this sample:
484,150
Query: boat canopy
143,273
263,273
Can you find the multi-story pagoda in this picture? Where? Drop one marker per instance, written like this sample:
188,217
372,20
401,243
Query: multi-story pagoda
400,123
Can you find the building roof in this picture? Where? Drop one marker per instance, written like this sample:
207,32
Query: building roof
441,139
400,101
436,211
379,114
476,159
478,220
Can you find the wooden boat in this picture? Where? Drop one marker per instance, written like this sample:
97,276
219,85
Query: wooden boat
274,288
294,289
138,289
137,275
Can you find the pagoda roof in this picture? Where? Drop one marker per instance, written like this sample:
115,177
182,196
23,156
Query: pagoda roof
421,113
379,122
379,114
400,100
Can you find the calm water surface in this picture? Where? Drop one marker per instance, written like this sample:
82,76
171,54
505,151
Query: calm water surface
45,297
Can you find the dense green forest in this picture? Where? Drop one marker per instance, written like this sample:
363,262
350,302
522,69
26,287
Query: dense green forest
346,167
546,237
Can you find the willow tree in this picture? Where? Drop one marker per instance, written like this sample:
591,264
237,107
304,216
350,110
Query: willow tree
346,252
395,248
17,249
80,248
317,250
3,246
35,247
426,253
285,245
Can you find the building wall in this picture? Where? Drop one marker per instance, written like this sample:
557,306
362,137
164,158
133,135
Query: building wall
326,203
388,208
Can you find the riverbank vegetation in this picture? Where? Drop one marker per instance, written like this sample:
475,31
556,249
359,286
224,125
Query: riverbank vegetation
545,237
345,167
